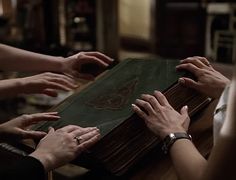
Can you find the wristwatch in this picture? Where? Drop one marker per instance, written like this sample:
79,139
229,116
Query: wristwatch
170,139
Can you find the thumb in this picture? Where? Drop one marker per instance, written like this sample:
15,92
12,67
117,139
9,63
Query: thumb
184,111
51,130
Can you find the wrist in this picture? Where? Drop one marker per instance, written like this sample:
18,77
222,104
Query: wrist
22,84
17,86
60,65
45,158
170,139
52,64
166,132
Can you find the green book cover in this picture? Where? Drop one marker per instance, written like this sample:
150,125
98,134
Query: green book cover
107,102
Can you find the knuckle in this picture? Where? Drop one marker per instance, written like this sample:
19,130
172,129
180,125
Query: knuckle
188,65
189,58
151,98
145,104
81,54
59,131
66,136
72,126
162,109
202,72
48,74
26,116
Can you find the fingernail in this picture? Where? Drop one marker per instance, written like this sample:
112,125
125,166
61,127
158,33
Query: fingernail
186,107
98,136
133,105
181,80
50,128
55,112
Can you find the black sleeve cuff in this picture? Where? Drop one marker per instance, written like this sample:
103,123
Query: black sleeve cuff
25,168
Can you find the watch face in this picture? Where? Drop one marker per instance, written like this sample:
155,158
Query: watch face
172,135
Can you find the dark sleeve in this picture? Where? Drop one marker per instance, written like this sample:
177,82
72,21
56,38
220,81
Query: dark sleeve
27,168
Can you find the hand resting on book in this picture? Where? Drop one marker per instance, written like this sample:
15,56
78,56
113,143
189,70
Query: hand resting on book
208,80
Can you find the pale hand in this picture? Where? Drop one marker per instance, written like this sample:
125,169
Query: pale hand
46,83
60,147
86,65
159,116
209,81
17,129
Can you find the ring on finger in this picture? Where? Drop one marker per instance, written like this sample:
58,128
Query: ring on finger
78,139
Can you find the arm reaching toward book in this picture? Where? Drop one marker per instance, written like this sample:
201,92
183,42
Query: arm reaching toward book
86,65
16,129
14,59
45,83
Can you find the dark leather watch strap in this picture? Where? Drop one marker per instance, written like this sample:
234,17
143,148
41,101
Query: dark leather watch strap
170,139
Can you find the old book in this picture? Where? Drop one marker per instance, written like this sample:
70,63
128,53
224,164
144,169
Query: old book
106,104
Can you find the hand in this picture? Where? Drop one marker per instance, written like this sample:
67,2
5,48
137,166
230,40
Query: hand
159,116
47,83
209,81
86,65
16,129
60,147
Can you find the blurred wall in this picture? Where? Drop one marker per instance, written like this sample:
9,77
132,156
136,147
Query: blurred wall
135,18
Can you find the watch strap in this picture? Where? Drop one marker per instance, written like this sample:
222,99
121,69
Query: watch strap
170,139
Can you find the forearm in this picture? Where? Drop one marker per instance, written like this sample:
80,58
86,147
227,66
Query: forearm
187,160
10,88
13,59
222,159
